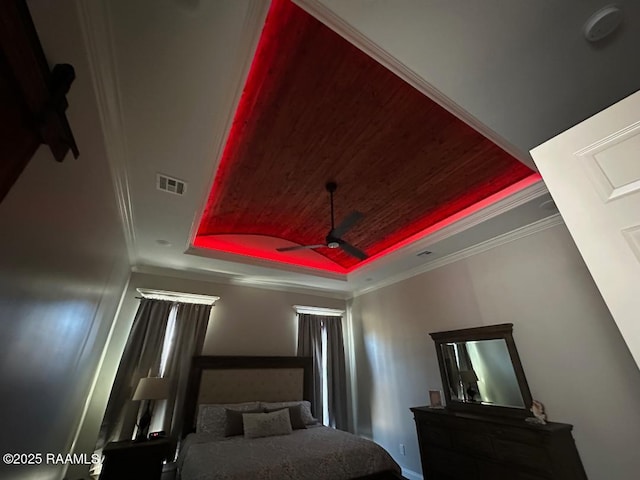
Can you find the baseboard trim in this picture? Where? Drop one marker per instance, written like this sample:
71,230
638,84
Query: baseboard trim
411,475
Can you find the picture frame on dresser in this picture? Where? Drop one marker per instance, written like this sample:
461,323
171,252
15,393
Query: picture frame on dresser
435,399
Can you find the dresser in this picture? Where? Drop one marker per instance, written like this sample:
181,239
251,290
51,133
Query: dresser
470,446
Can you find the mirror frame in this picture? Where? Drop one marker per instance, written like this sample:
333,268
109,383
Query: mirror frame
491,332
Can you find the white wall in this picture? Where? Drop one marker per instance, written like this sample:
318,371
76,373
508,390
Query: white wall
522,68
574,357
63,267
245,321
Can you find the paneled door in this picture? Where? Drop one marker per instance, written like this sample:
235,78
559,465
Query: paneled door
593,173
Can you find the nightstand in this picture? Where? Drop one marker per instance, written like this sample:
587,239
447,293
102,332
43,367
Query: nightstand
135,460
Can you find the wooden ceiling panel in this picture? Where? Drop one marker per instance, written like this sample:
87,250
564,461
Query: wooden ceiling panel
317,109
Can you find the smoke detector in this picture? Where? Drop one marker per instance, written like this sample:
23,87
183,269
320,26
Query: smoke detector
603,23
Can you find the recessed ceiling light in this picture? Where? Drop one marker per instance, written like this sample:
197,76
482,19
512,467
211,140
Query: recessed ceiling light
603,23
163,243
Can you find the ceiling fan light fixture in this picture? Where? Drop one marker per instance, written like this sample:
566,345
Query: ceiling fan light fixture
334,238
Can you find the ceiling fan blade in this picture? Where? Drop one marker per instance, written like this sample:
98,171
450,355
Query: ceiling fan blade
346,224
299,247
351,250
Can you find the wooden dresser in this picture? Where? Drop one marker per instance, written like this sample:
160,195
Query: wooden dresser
456,445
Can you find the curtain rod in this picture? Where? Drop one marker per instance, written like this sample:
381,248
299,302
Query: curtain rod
213,303
332,312
184,297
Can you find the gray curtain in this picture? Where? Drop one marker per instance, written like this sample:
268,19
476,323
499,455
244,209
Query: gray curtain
140,358
188,338
336,374
310,344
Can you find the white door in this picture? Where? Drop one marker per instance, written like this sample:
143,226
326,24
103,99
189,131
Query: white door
593,174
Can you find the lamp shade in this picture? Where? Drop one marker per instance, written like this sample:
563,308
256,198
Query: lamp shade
152,388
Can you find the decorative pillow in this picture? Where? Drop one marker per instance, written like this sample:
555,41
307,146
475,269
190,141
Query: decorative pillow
307,418
212,418
266,424
233,423
295,414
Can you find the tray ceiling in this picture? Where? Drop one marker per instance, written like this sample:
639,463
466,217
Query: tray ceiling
317,109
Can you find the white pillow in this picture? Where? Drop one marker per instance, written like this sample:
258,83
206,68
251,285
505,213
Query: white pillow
266,424
212,418
306,409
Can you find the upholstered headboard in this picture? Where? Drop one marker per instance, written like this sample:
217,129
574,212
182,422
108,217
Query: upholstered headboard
227,379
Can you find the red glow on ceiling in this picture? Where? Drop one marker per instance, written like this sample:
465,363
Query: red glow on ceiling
214,243
476,207
314,108
265,58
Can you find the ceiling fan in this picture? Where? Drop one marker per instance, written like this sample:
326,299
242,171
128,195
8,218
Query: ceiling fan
333,238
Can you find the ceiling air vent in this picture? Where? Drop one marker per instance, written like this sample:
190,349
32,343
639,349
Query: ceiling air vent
171,185
424,254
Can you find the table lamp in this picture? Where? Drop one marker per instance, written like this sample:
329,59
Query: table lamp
469,379
149,389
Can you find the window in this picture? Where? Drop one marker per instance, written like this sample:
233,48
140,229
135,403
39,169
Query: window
321,315
325,386
171,321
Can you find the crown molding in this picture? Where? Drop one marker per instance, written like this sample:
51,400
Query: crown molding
213,277
501,206
94,17
256,261
504,205
329,18
508,237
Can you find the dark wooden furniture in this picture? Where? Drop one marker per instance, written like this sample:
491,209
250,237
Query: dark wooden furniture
132,459
32,97
201,364
459,445
502,332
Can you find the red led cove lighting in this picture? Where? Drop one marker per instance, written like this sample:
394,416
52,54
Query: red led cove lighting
233,208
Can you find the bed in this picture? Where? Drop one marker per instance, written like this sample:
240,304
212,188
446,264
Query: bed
222,390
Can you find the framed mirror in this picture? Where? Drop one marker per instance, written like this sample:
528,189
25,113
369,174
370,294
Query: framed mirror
481,371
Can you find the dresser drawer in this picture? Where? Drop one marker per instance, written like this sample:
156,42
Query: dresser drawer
434,435
449,464
530,456
518,434
473,443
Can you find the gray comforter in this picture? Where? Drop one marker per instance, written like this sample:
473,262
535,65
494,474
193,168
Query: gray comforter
317,453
